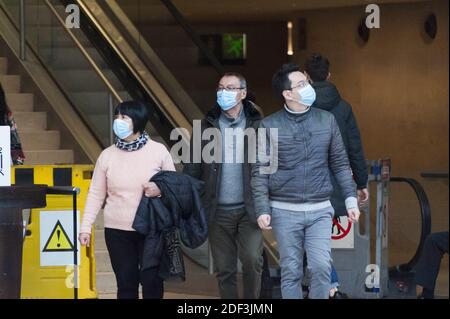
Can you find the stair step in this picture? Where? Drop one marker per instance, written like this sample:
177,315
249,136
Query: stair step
50,157
40,140
106,282
99,224
102,261
107,295
99,238
10,83
167,295
3,66
20,102
31,120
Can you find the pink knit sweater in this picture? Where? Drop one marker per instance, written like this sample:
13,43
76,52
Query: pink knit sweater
119,176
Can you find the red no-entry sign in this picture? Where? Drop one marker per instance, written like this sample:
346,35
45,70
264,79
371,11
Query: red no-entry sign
342,231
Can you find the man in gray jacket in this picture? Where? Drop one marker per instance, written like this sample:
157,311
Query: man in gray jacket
295,200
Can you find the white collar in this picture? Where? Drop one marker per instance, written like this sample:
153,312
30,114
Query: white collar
293,112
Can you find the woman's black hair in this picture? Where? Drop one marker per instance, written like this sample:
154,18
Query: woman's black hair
138,113
4,109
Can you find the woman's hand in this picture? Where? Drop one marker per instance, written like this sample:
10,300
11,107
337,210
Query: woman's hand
85,239
151,190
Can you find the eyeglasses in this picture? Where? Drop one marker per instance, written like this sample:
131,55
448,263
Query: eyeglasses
220,88
302,84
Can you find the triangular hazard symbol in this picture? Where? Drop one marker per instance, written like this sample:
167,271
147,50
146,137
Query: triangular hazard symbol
58,240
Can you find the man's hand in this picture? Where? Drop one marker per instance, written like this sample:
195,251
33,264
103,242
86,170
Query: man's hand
353,215
363,196
85,239
264,222
151,190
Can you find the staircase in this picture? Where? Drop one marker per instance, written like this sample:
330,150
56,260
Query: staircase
41,146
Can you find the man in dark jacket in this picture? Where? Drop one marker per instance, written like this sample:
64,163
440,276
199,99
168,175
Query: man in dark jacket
317,70
295,200
227,197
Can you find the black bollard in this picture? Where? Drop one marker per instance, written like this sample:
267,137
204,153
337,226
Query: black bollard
12,201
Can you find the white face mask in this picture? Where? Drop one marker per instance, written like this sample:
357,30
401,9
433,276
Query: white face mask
122,129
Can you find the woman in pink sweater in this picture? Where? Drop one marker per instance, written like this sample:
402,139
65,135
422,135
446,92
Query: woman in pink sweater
122,175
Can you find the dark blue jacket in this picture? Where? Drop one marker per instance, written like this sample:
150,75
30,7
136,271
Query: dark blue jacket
179,210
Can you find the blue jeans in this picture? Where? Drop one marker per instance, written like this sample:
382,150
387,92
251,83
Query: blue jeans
297,233
334,278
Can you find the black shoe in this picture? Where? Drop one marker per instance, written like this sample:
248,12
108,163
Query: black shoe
339,295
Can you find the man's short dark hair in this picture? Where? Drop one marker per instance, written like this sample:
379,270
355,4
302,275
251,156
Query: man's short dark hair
280,80
317,67
138,113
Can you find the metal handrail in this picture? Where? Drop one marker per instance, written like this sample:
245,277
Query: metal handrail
426,220
171,111
150,59
194,36
435,175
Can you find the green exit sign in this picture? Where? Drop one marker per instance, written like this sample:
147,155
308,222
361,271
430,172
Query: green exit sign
229,48
234,47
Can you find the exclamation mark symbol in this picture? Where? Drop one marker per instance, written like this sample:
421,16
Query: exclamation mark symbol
58,234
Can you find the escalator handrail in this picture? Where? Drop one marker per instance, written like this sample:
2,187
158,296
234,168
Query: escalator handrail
167,108
88,57
425,217
194,36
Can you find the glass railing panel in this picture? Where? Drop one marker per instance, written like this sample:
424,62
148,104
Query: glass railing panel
64,59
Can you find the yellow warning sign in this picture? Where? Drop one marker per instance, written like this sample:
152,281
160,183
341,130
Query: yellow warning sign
58,240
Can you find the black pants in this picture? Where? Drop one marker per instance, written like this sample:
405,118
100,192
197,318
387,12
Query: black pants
125,250
427,269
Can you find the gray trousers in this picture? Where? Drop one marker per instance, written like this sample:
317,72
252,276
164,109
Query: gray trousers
232,234
297,233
